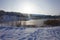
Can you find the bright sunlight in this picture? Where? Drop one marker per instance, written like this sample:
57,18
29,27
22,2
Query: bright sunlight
27,8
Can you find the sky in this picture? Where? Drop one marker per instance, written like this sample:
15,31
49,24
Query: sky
48,7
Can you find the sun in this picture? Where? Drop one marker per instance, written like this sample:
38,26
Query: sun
27,8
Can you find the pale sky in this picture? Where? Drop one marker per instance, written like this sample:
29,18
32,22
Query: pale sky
51,7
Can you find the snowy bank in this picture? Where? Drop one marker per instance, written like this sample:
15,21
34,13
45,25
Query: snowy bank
21,33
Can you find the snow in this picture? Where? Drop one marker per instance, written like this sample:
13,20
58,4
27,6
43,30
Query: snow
22,33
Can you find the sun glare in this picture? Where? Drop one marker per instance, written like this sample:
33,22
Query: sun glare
27,8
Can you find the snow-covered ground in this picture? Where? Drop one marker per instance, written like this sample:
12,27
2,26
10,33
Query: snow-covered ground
22,33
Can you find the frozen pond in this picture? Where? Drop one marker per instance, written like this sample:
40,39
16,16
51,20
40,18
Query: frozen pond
21,33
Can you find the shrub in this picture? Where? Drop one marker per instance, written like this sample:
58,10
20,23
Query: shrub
52,22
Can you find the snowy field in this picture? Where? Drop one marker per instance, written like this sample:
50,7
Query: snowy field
21,33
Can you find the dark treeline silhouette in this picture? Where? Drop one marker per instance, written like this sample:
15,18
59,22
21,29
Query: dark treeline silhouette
34,16
7,16
21,16
11,13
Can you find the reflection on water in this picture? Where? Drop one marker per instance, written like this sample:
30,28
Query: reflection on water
36,22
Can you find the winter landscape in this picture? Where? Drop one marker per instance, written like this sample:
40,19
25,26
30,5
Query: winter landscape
10,30
29,19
